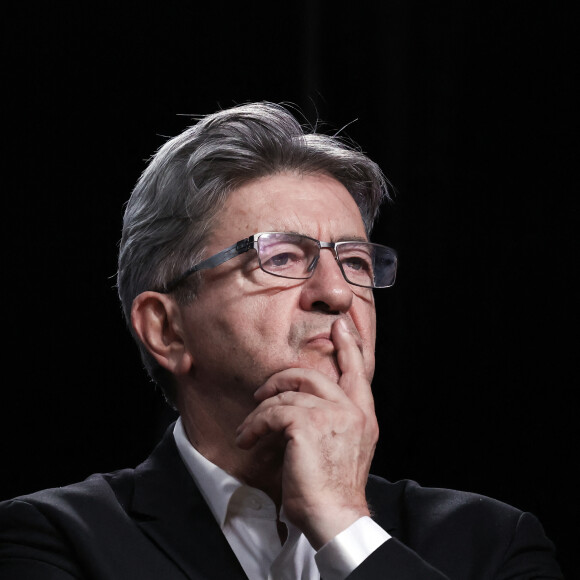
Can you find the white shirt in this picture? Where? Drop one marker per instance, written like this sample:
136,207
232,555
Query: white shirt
247,517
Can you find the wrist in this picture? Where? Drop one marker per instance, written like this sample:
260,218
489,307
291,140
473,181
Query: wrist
324,525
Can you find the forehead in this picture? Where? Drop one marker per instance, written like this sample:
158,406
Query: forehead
316,205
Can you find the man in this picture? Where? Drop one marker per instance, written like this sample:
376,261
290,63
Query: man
247,275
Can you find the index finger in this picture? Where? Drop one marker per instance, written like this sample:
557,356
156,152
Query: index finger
300,380
353,380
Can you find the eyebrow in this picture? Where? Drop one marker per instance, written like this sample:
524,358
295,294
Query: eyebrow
339,239
352,239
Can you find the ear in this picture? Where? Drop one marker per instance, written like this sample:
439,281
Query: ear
158,322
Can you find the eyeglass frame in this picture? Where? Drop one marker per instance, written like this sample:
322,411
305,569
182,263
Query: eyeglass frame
251,242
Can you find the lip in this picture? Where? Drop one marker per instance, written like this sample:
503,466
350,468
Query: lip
321,340
322,337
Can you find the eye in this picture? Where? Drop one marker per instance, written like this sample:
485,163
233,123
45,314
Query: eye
280,260
356,263
282,257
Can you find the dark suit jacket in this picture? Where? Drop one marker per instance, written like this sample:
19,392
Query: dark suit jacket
152,523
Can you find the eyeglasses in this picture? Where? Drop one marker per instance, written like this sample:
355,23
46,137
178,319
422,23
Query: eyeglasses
294,256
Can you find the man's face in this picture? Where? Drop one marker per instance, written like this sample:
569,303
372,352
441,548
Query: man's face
245,325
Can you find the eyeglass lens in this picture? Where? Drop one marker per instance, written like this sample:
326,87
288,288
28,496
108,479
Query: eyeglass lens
296,256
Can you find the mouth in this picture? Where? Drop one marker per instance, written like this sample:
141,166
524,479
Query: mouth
321,341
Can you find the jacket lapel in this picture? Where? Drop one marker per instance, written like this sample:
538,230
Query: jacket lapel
169,509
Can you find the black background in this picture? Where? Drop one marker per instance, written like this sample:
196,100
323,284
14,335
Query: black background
471,110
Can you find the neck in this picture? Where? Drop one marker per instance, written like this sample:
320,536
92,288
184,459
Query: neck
211,428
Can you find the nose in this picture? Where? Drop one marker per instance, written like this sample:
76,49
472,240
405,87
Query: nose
327,290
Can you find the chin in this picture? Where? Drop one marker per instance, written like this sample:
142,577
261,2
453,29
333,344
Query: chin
327,366
333,375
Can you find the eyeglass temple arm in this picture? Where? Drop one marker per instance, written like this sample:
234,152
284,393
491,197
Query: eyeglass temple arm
238,248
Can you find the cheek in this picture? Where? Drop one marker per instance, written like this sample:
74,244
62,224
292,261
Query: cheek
259,323
365,318
368,329
373,329
270,330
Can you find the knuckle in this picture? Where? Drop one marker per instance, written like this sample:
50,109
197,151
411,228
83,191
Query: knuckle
365,423
271,413
358,418
284,397
317,418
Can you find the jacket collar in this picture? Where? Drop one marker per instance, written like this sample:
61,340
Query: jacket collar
169,509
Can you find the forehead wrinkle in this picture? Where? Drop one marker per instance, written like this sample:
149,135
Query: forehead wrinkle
333,223
335,239
283,227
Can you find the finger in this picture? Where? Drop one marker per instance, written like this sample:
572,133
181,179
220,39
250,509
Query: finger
353,380
287,398
299,380
276,419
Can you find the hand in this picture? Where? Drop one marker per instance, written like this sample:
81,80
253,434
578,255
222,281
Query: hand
331,433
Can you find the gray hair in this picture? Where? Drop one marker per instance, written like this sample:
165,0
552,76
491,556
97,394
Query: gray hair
172,208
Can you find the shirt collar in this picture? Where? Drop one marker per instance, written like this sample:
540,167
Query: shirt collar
216,485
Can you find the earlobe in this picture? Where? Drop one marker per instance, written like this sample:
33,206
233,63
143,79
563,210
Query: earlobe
157,321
